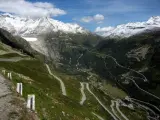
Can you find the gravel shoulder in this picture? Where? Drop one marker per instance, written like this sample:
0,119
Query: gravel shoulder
6,97
12,107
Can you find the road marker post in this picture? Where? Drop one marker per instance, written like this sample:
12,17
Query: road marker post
19,88
31,102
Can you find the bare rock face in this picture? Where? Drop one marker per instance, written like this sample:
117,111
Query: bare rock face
139,53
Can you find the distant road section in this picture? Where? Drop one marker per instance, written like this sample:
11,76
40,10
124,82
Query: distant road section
82,92
113,116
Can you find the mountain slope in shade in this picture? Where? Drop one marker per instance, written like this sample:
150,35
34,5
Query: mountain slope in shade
129,29
32,27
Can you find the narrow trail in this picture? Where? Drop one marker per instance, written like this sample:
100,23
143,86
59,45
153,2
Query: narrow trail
99,117
57,78
114,112
114,117
83,99
117,107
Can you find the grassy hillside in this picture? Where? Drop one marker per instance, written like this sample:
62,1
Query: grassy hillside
50,103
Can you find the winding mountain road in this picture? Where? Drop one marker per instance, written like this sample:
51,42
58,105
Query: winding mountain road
99,117
133,99
112,107
117,107
143,90
57,78
83,99
144,107
113,116
144,78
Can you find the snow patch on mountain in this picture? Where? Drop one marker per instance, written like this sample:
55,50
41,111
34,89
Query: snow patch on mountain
29,39
129,29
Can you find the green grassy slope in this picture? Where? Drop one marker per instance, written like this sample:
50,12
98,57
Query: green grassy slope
50,103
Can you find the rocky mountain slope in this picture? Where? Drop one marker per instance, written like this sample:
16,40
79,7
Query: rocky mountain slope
130,29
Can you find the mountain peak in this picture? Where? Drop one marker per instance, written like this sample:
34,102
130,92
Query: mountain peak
129,29
154,20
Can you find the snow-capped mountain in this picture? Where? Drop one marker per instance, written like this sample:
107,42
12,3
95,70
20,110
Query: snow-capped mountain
129,29
31,27
35,30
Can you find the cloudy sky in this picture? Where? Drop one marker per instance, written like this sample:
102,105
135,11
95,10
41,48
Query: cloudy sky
90,14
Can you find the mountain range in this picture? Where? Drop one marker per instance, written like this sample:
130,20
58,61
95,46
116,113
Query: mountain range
27,27
32,27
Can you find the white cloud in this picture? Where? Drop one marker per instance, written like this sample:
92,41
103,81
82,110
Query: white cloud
87,19
103,29
26,8
97,18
